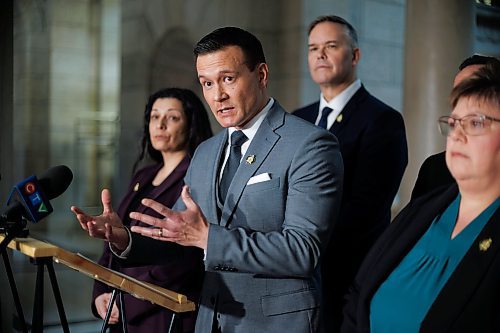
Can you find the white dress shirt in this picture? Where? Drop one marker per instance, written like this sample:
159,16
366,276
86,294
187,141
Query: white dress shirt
337,103
249,130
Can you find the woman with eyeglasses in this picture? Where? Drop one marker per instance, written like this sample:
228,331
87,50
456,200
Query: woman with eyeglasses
437,267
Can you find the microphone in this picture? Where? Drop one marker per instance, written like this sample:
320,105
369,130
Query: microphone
30,197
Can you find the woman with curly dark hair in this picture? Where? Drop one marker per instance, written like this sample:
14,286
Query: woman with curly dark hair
175,122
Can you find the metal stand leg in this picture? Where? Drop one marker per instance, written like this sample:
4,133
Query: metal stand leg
57,295
37,322
10,231
122,313
123,319
108,313
171,323
13,288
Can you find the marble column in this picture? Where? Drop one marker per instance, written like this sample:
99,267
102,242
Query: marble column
439,35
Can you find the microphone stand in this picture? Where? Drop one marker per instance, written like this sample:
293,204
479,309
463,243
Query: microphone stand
13,230
17,229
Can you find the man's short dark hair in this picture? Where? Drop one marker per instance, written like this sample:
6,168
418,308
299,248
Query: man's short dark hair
350,31
477,59
232,36
483,85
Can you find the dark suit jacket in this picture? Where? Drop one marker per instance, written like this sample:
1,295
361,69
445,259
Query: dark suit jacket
432,174
469,301
184,276
373,145
265,243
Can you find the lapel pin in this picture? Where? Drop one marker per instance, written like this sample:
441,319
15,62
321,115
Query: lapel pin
136,187
339,118
250,159
485,244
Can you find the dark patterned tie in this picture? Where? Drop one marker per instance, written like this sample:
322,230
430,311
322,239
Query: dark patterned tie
238,138
323,122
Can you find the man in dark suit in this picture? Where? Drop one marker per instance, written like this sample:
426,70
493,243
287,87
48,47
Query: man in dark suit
434,173
373,145
263,231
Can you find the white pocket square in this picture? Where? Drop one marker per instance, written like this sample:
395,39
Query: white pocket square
263,177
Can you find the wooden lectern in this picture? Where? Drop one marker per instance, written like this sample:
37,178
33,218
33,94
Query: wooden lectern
33,248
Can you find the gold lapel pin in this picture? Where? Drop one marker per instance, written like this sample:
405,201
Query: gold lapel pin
136,187
250,159
339,118
485,244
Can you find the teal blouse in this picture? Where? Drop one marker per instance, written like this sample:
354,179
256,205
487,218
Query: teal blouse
403,300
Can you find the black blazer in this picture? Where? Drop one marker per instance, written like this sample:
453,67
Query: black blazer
432,174
373,145
469,301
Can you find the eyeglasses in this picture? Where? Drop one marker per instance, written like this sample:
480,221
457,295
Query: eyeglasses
474,124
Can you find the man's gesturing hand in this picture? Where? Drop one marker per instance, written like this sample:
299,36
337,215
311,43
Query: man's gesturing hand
107,226
188,227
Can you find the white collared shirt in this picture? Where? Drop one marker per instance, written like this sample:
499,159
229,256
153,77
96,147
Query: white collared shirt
337,103
249,130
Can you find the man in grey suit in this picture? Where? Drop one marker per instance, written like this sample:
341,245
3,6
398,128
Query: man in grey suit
264,231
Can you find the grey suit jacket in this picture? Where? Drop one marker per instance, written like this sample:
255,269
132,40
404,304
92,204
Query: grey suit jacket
262,260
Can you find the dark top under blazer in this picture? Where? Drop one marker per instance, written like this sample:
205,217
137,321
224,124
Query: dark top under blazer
263,249
373,145
468,302
184,276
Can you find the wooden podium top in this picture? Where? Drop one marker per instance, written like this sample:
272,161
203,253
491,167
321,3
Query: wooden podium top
32,247
155,294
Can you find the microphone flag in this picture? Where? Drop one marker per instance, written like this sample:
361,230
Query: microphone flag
30,194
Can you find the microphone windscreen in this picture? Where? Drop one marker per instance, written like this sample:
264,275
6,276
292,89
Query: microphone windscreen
55,181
